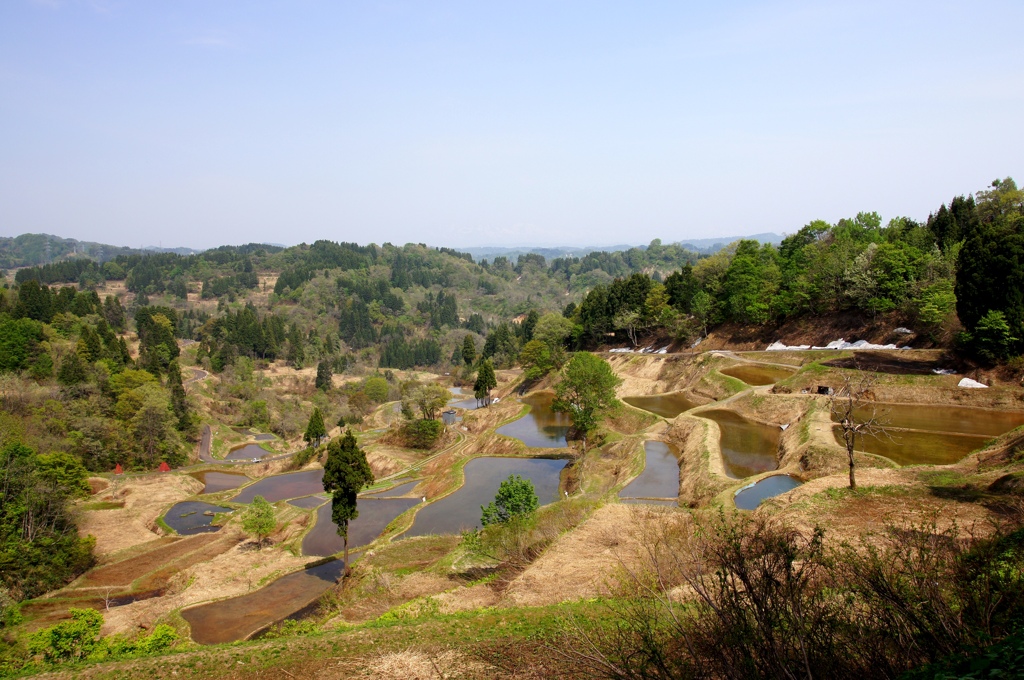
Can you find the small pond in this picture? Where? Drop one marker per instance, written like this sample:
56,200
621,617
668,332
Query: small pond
750,497
374,516
757,374
461,509
748,448
541,428
664,405
247,452
189,517
660,478
308,502
220,481
280,487
239,617
395,491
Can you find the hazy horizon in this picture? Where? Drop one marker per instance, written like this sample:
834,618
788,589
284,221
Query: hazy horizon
513,125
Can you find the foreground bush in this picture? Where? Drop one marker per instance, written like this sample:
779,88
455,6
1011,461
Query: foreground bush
752,598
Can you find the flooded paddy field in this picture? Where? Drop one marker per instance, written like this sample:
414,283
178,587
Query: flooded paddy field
239,617
461,509
748,448
660,478
665,405
374,516
932,434
247,452
193,517
749,497
220,481
542,427
282,487
757,374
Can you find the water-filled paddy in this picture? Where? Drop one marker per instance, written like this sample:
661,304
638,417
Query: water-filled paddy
461,509
916,447
280,487
748,448
246,452
936,418
308,502
932,434
757,374
374,516
664,405
220,481
752,496
542,427
660,478
462,398
188,518
239,617
265,437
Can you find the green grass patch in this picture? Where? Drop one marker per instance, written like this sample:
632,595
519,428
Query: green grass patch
103,505
165,526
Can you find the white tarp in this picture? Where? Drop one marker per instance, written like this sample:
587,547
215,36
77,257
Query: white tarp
835,344
971,384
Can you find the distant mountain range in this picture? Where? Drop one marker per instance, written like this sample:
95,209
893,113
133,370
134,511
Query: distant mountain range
29,250
704,246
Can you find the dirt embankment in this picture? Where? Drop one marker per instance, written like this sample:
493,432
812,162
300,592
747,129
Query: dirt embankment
145,499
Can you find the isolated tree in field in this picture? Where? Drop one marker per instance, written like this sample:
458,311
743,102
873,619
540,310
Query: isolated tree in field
346,472
515,498
324,375
485,382
468,350
853,411
315,430
258,519
430,399
588,385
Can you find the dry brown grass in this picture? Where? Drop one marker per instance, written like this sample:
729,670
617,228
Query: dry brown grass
586,562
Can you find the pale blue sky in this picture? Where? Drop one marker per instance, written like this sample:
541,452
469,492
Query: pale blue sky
205,122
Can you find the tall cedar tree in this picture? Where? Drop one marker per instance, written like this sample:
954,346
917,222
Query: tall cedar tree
315,430
178,403
468,350
324,375
346,472
485,382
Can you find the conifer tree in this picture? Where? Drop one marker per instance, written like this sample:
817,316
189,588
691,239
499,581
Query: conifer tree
346,472
315,430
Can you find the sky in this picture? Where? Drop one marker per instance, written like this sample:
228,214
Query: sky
207,122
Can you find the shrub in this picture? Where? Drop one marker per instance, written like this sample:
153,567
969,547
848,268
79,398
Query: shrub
423,434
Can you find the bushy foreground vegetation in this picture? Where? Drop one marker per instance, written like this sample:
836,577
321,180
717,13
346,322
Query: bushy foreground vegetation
751,597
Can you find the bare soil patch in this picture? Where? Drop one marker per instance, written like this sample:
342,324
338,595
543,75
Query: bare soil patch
145,499
124,572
